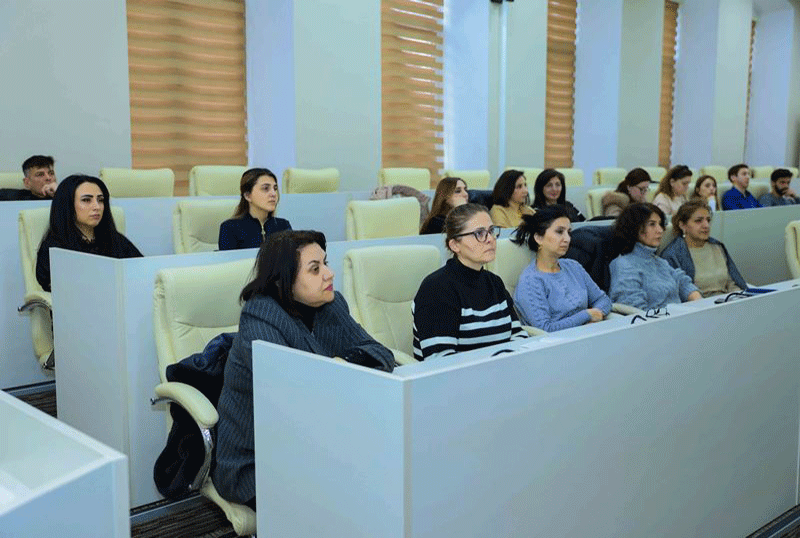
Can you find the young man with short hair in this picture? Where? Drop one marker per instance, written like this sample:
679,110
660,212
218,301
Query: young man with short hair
40,180
781,192
739,197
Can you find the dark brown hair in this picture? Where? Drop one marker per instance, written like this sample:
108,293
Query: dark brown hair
673,174
504,187
249,180
629,225
440,207
457,220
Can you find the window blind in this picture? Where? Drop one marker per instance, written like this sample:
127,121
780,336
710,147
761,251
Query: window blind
560,97
186,61
412,84
668,52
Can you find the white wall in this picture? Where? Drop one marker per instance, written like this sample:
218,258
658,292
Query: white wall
65,84
793,119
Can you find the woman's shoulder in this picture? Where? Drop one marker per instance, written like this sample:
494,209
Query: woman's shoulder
673,247
661,197
571,265
282,224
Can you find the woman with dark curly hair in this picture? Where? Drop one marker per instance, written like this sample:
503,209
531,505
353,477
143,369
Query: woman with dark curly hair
639,278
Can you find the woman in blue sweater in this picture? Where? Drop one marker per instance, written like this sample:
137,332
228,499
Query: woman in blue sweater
555,293
639,278
254,218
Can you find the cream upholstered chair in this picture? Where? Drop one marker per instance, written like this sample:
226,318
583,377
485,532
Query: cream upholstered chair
793,248
297,180
761,172
573,177
214,180
657,173
380,284
12,180
475,179
759,188
720,173
195,224
130,183
793,170
374,219
419,178
509,262
33,224
594,201
192,305
609,176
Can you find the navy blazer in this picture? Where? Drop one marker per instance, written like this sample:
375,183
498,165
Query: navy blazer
335,334
246,231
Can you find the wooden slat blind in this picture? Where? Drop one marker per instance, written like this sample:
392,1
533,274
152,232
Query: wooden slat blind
186,61
749,79
560,96
668,51
412,84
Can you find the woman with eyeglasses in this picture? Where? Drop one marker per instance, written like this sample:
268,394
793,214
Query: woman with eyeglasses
699,255
639,278
673,190
632,189
462,306
553,292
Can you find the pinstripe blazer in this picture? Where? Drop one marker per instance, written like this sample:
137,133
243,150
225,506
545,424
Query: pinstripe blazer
335,333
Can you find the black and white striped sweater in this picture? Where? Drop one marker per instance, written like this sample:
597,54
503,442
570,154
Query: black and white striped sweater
458,309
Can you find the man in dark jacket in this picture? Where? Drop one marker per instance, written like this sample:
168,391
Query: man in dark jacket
40,180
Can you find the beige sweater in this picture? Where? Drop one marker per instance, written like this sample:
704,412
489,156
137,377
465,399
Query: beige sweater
508,217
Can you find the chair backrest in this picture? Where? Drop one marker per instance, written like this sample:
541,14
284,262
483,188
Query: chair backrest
11,180
609,176
419,178
380,285
657,173
214,180
475,179
594,199
792,240
573,177
195,224
130,183
759,188
296,180
192,305
761,172
793,170
720,173
33,224
374,219
509,262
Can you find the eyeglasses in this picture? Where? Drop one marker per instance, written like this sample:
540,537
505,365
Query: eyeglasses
482,234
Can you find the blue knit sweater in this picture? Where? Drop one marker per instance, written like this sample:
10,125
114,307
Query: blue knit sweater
555,301
643,280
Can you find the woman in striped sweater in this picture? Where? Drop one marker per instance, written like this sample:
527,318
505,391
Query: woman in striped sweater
462,306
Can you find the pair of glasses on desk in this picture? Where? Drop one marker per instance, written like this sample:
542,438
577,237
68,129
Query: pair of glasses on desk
651,313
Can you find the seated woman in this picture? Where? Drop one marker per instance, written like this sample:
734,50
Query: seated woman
632,189
462,306
699,255
80,219
639,278
510,199
450,192
550,190
673,188
705,190
254,218
555,293
290,302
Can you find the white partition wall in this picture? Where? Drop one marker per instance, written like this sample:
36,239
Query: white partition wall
599,435
55,481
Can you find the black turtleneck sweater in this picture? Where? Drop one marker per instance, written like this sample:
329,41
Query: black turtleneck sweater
458,309
247,232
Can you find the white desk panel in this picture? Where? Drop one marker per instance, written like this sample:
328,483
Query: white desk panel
688,435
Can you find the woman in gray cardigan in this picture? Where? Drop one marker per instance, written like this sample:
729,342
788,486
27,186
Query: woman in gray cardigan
290,302
702,257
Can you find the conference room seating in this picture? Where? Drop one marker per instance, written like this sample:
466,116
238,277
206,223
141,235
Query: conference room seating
573,177
657,173
759,188
191,306
11,180
374,219
594,199
380,284
761,172
301,180
195,224
132,183
475,179
215,180
793,170
792,240
419,178
720,173
608,176
33,224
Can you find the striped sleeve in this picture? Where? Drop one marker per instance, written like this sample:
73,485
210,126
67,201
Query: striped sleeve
436,315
